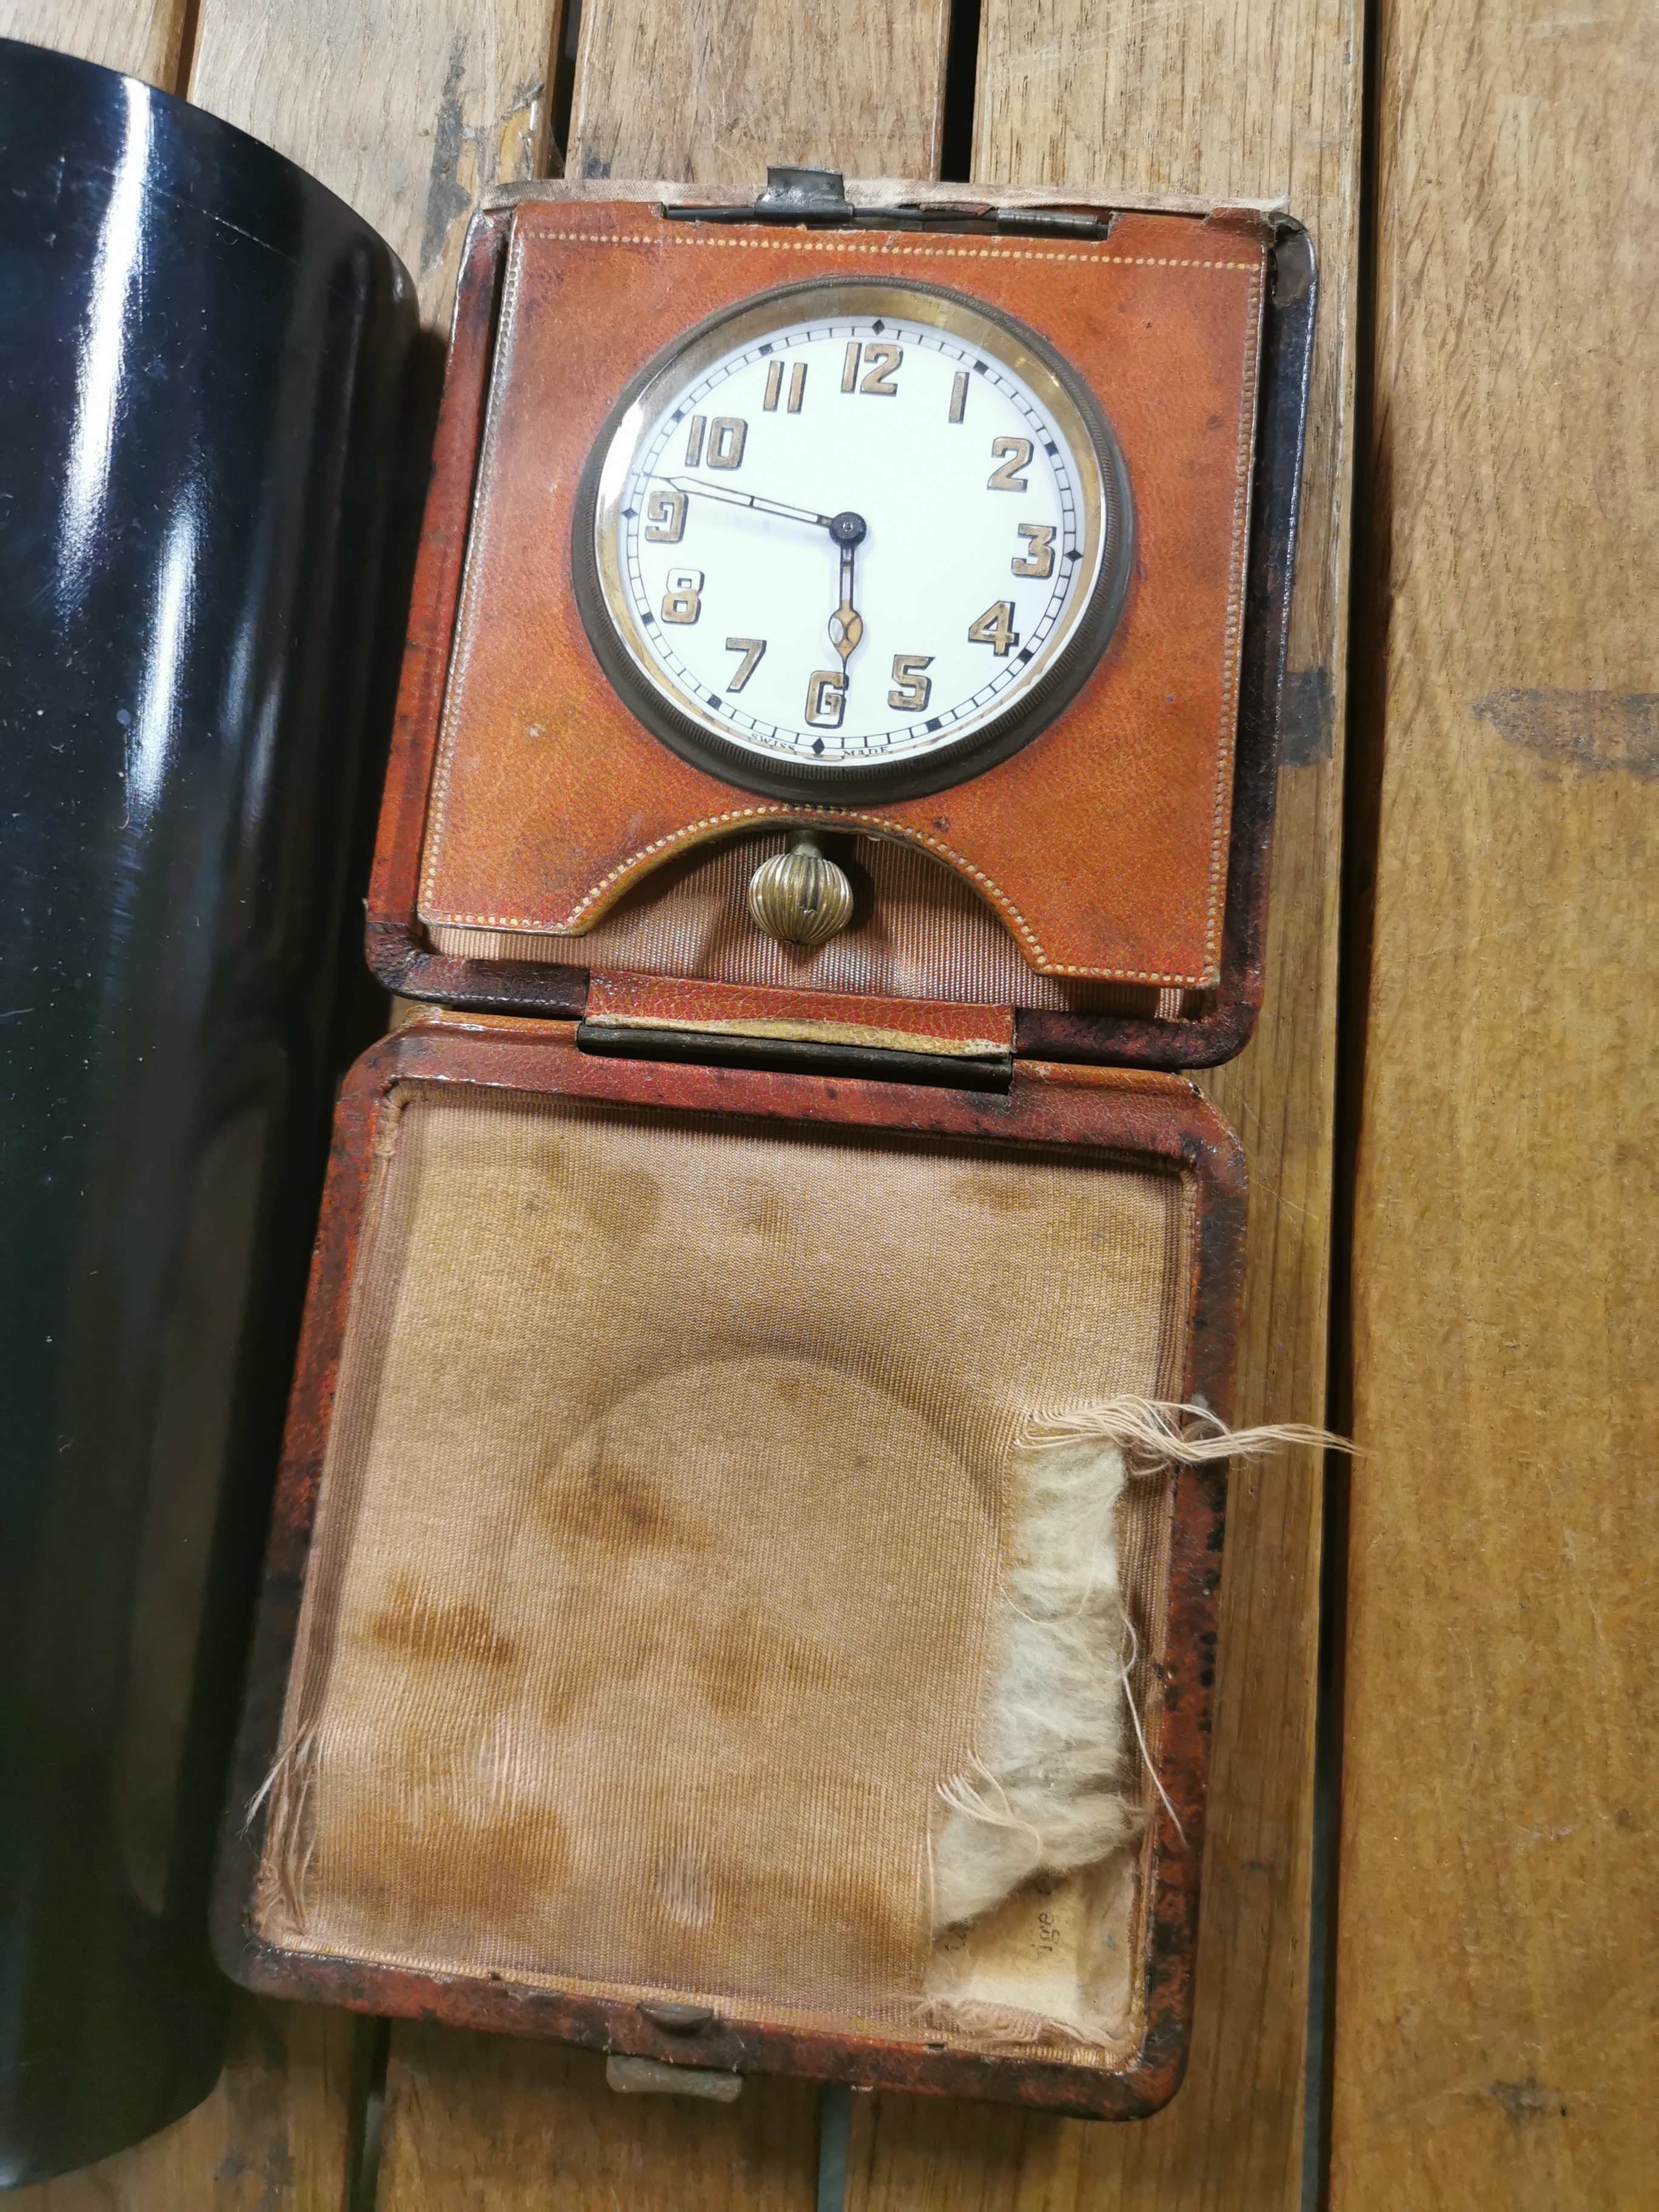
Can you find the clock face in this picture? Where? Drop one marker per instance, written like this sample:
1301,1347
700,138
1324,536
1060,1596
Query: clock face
853,541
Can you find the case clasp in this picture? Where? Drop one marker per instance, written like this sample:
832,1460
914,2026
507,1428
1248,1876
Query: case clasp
636,2077
818,198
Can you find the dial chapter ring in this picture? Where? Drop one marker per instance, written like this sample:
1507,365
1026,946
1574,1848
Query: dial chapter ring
1090,620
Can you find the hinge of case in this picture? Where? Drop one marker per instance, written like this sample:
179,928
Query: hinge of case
990,1071
818,198
960,1048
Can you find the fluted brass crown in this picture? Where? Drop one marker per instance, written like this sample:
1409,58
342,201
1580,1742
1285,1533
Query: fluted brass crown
799,897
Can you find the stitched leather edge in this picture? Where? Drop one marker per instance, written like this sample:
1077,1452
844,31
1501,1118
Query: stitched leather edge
616,880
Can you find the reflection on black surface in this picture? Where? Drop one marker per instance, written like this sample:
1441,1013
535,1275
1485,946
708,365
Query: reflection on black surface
199,360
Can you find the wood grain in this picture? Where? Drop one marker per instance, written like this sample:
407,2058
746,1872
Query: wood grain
714,90
408,111
1253,98
1495,2020
144,38
495,2124
272,2138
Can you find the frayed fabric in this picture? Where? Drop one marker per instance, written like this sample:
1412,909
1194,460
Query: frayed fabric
1047,1791
285,1795
997,2023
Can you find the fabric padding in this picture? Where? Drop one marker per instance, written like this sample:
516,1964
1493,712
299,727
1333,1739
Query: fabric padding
655,1581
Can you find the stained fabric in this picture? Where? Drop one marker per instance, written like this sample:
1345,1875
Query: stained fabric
656,1578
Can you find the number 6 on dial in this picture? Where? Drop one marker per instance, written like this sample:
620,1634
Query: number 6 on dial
826,698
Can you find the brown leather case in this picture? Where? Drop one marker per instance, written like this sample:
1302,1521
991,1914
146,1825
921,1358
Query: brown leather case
630,1120
1124,852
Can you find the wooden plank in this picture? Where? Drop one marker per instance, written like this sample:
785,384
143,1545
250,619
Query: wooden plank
493,2124
1224,98
409,113
654,99
274,2133
715,91
1495,2018
142,37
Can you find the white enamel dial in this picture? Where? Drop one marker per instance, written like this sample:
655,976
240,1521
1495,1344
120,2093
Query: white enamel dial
855,537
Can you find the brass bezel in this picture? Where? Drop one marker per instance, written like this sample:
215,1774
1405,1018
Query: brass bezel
1069,656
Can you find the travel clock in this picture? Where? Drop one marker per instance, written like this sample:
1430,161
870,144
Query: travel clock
729,1602
853,540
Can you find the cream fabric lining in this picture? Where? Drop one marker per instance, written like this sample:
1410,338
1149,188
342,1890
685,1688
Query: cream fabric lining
655,1585
918,931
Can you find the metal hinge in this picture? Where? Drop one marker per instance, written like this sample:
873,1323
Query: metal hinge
818,198
689,1019
986,1071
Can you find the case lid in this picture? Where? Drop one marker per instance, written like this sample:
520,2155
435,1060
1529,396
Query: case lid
536,830
656,1507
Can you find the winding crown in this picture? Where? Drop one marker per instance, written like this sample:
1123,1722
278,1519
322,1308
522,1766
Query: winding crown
799,897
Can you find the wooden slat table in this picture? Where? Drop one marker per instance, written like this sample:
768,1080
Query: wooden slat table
1492,1784
1495,2026
144,38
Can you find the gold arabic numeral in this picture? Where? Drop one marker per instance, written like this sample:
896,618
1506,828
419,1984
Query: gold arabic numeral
1040,561
694,440
826,698
796,387
774,385
995,627
959,396
665,517
849,367
1015,453
683,601
881,362
727,435
751,650
911,689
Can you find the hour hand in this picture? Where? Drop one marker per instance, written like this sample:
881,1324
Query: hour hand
733,497
846,623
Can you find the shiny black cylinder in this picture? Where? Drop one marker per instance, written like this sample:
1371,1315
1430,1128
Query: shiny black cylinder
201,363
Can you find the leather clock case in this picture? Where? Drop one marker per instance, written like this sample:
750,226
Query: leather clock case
1118,860
650,1518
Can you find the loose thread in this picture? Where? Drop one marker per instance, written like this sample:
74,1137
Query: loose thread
1162,1432
1125,1670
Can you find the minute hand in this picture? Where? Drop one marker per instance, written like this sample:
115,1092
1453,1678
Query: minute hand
735,498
